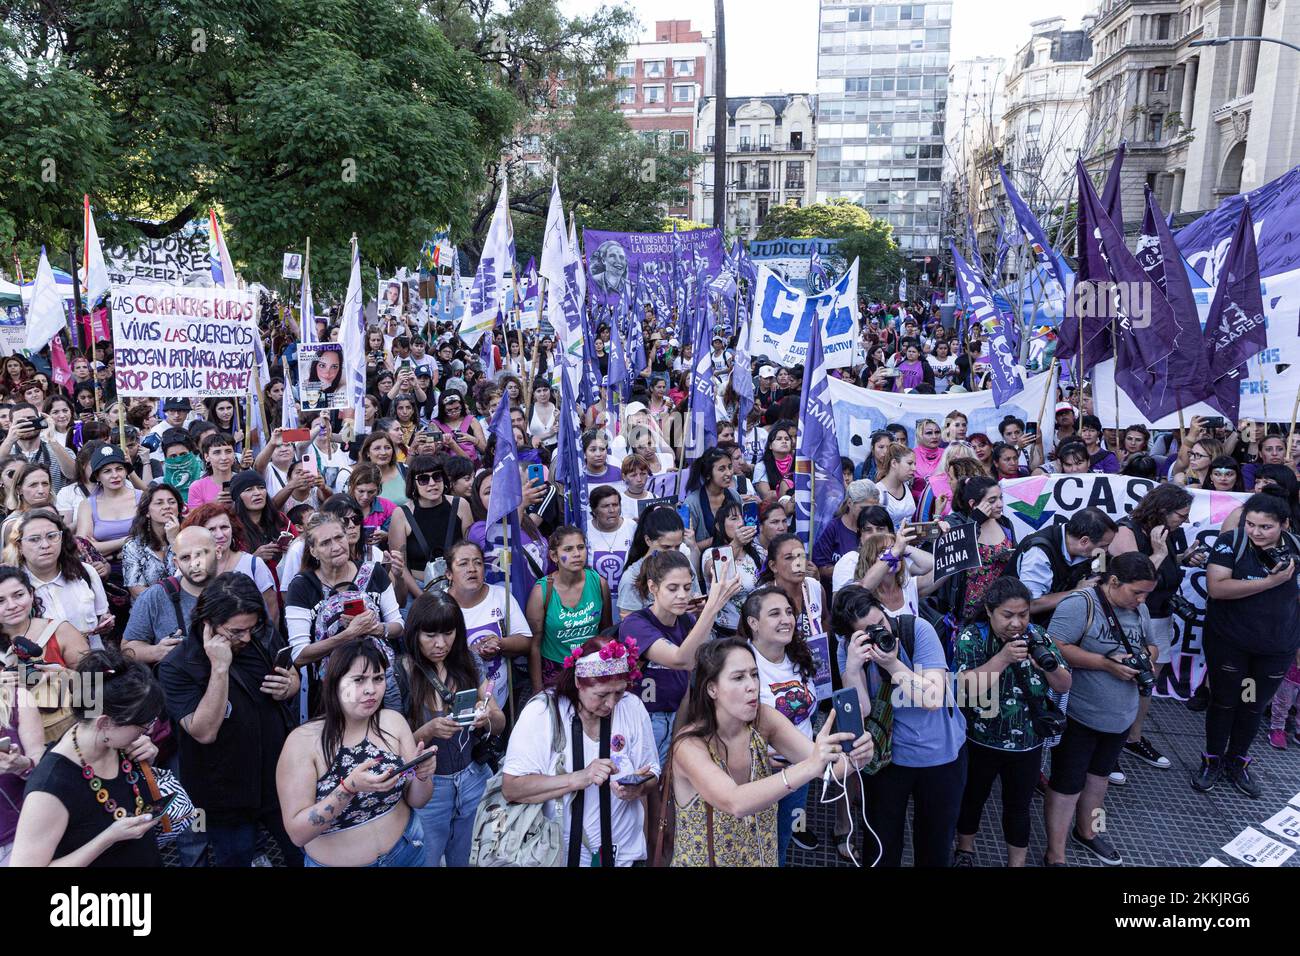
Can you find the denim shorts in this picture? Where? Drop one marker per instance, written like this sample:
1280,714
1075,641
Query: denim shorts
407,851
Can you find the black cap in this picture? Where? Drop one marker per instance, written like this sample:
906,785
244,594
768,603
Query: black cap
105,455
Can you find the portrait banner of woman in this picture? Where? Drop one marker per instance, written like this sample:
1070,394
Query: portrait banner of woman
320,372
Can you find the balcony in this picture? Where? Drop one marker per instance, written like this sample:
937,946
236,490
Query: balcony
796,184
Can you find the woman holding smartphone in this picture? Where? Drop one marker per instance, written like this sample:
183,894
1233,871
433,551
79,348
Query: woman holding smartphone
461,432
734,556
345,791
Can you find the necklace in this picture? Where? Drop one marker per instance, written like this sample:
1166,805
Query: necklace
101,792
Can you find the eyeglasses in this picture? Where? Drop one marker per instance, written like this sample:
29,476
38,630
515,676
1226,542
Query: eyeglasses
350,521
428,478
1198,454
49,536
236,633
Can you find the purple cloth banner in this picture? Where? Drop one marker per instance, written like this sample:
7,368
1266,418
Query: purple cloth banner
1275,208
617,261
1236,329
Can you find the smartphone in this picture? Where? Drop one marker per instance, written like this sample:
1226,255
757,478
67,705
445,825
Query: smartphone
225,487
156,810
926,530
1031,428
284,658
749,511
1214,422
462,706
36,423
411,763
848,716
684,512
536,473
6,745
309,464
633,780
295,435
354,606
721,565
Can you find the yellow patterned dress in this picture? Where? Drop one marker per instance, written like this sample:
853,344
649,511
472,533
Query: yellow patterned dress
737,841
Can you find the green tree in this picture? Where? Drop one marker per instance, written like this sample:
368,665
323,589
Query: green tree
861,235
293,117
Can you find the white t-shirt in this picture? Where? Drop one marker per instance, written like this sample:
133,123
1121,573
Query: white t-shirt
485,620
632,506
607,551
900,510
67,501
291,563
258,570
632,746
78,603
784,689
942,382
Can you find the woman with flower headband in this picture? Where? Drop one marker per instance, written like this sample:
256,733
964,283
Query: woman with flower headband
616,766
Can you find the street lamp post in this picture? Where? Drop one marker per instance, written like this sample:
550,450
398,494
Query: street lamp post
1223,41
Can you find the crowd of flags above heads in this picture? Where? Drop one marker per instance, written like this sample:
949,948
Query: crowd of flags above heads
1139,310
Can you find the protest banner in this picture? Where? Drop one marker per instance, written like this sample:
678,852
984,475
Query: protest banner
788,258
13,339
292,268
860,411
616,261
957,550
389,299
1034,503
321,385
179,259
183,341
781,323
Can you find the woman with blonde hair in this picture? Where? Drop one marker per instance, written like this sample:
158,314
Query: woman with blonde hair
896,573
958,462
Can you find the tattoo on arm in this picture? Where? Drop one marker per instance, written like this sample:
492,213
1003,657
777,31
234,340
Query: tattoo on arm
315,818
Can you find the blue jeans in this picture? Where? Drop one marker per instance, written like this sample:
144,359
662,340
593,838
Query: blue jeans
790,804
448,817
407,851
661,721
235,844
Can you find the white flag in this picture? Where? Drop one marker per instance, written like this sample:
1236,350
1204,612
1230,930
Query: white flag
95,274
46,315
488,294
353,340
563,273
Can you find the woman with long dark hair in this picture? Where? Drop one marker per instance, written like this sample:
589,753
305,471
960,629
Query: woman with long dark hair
68,588
64,821
775,475
437,665
725,791
978,500
735,555
22,616
264,525
592,706
340,795
146,556
786,672
659,528
708,489
420,533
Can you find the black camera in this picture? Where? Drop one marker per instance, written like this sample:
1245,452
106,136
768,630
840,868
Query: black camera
1040,649
882,637
1213,422
1278,554
1145,679
1183,608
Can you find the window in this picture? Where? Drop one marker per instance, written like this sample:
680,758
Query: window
626,95
684,93
762,210
653,94
681,139
859,14
533,143
625,71
796,139
1164,23
534,169
1159,80
742,175
1155,122
654,68
794,176
763,177
683,67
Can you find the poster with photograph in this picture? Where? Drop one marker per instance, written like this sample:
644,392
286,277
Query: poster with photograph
320,377
292,266
390,298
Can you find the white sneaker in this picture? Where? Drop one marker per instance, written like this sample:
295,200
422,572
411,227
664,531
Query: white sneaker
1118,779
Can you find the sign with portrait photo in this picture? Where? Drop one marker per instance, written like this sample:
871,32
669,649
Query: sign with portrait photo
292,268
390,298
320,377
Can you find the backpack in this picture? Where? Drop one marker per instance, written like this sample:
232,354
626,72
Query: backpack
520,834
327,615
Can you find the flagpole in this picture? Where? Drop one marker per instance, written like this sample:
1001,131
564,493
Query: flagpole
1263,396
1048,389
1295,407
1114,341
505,626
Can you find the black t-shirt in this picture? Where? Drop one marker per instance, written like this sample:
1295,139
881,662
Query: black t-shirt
87,818
1169,576
1264,623
232,778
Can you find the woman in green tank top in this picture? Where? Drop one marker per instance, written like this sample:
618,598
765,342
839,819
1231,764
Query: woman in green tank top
565,608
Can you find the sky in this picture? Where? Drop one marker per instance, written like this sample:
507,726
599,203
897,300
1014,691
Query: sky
772,44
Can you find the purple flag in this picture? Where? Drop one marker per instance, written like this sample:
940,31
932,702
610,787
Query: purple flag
1121,294
1273,209
570,467
818,477
995,325
702,430
507,491
742,379
1111,199
1157,253
1027,224
1236,328
1083,321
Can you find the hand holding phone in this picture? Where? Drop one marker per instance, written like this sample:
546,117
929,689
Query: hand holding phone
412,764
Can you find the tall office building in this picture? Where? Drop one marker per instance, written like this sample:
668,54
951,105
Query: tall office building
882,78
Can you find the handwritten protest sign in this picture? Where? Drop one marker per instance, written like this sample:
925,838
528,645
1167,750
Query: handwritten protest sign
183,341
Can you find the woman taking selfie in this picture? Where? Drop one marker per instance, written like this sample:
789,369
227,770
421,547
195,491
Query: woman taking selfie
617,763
63,821
343,800
734,556
723,786
437,665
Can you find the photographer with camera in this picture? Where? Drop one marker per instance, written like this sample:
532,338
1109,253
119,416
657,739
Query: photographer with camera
1007,659
1252,632
928,760
1105,635
1057,561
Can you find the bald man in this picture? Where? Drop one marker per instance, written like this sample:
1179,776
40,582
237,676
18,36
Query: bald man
161,616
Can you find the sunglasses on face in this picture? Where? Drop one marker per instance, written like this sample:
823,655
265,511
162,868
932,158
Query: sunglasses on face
428,478
350,521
